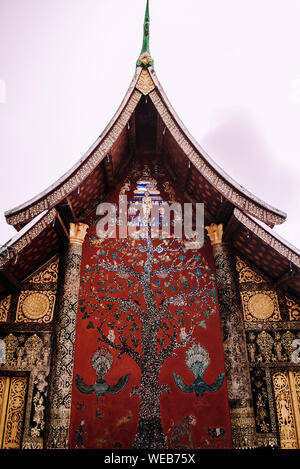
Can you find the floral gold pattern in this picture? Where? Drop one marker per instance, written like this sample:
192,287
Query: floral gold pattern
293,309
15,406
285,410
29,353
35,306
48,275
260,306
4,308
145,84
246,274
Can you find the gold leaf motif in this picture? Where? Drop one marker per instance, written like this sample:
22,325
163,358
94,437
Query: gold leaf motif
246,274
47,275
145,84
35,306
293,308
284,405
260,306
14,414
145,58
265,343
77,232
215,233
11,345
4,308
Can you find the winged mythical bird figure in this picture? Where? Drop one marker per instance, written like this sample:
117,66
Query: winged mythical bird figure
197,360
102,361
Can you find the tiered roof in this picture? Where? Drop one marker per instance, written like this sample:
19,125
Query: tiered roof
146,123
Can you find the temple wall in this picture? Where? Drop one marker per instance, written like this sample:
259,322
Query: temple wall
149,363
137,356
26,320
271,321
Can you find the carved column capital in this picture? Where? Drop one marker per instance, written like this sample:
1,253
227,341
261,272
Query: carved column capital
215,233
77,232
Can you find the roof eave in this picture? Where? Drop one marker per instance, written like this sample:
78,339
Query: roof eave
207,166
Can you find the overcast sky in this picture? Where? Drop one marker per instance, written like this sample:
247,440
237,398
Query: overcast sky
231,70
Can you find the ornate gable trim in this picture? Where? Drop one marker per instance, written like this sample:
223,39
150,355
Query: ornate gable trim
236,194
86,165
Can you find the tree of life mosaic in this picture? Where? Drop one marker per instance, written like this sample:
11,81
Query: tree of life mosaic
148,355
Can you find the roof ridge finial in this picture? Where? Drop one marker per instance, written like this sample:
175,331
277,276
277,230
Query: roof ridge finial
145,60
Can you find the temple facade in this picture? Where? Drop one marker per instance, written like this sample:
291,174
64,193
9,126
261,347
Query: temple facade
117,332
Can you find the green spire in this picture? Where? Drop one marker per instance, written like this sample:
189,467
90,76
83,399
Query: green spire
145,60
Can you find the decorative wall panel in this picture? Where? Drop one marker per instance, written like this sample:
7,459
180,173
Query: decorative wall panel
149,364
293,309
286,407
29,353
4,391
273,342
260,306
4,308
36,306
47,275
246,274
260,400
15,407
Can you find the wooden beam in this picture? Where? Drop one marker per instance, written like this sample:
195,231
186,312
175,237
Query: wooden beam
230,228
66,211
109,170
208,217
159,135
131,132
61,228
10,281
224,212
283,281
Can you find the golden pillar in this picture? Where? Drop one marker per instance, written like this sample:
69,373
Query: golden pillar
234,342
64,341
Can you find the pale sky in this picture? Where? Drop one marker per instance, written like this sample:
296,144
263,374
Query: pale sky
231,69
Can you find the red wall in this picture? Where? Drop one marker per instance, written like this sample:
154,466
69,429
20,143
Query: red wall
183,292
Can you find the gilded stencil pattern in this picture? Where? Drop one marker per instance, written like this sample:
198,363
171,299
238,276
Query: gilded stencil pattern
36,306
31,353
297,385
15,413
4,389
260,399
4,308
237,370
246,274
271,346
293,309
47,275
260,306
145,83
284,407
61,385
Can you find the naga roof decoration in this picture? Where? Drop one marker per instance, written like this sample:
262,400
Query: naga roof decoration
145,115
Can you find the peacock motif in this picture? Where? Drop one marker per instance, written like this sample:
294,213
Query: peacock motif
197,359
101,361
